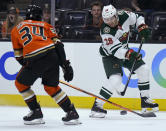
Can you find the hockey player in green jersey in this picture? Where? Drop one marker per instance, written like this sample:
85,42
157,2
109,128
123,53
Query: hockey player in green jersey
116,54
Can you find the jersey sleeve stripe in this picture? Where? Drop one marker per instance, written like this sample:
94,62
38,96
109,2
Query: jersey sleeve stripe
115,47
114,51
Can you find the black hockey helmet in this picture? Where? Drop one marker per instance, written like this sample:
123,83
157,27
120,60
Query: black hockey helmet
34,12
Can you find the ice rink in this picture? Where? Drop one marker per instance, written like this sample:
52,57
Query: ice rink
11,120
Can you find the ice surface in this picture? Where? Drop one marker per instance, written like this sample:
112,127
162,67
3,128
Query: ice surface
11,120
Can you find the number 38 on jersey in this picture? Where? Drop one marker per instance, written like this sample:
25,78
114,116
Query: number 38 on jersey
108,41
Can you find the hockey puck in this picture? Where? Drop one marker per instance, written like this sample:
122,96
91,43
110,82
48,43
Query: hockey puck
123,112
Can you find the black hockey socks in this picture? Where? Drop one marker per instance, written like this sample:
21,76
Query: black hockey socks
65,104
32,103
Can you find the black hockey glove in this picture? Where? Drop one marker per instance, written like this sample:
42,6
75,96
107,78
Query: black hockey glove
132,55
68,71
144,32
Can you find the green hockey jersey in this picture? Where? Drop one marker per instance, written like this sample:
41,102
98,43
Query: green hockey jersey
115,40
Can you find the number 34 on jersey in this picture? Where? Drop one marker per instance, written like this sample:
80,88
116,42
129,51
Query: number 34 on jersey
31,36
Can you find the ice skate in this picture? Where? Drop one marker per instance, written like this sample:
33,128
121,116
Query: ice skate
34,117
72,117
148,103
97,111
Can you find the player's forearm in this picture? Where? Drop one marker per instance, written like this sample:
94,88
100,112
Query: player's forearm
59,47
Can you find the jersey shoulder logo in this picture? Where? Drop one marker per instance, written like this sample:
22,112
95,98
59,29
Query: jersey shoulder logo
121,12
106,30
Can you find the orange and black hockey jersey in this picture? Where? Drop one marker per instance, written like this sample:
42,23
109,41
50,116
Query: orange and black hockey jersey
31,38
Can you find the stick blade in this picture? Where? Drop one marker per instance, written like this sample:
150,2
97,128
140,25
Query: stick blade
148,114
122,93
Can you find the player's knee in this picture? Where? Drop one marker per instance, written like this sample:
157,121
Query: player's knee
20,87
115,80
143,73
52,91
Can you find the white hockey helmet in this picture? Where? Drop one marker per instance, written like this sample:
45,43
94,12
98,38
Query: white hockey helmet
108,12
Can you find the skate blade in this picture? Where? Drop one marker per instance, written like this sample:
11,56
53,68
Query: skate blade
72,122
94,114
146,113
149,114
34,122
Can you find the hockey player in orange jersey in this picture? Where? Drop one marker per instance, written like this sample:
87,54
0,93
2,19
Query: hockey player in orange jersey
40,52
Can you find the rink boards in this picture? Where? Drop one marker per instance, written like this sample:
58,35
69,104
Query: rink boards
88,75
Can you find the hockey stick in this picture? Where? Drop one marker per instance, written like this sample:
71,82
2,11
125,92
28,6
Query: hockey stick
131,71
149,114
